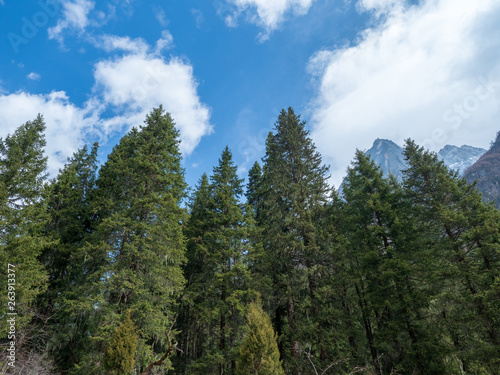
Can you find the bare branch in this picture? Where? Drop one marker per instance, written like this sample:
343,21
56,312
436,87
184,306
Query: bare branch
171,349
323,372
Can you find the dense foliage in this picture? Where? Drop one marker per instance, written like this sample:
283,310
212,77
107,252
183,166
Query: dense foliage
118,271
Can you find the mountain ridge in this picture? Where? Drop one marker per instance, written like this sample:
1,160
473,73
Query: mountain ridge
486,171
389,156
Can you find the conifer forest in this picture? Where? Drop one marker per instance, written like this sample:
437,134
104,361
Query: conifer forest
121,268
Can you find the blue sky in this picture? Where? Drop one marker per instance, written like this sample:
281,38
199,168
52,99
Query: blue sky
356,70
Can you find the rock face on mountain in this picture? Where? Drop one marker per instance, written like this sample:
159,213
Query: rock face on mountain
389,156
487,173
460,158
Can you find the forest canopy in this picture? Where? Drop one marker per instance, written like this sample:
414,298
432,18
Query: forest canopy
116,269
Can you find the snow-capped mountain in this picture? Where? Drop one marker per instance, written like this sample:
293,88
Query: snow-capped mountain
460,158
389,156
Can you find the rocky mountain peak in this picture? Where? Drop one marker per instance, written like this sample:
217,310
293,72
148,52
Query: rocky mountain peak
460,158
389,156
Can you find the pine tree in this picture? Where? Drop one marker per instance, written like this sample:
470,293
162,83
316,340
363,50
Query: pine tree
339,321
258,353
217,272
71,217
133,258
22,219
119,358
363,190
199,274
71,220
253,187
388,265
465,236
293,193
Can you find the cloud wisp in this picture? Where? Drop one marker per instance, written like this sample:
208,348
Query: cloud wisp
113,43
75,18
34,76
267,14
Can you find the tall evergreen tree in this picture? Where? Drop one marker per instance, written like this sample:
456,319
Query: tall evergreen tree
22,218
217,271
387,264
253,187
293,196
71,217
465,235
71,220
199,274
339,321
133,258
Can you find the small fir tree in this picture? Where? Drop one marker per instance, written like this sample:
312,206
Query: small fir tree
119,358
259,354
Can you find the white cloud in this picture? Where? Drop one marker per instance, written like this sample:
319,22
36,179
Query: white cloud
34,76
134,84
126,89
75,18
268,14
161,16
198,17
165,42
381,6
136,46
67,125
110,43
430,72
